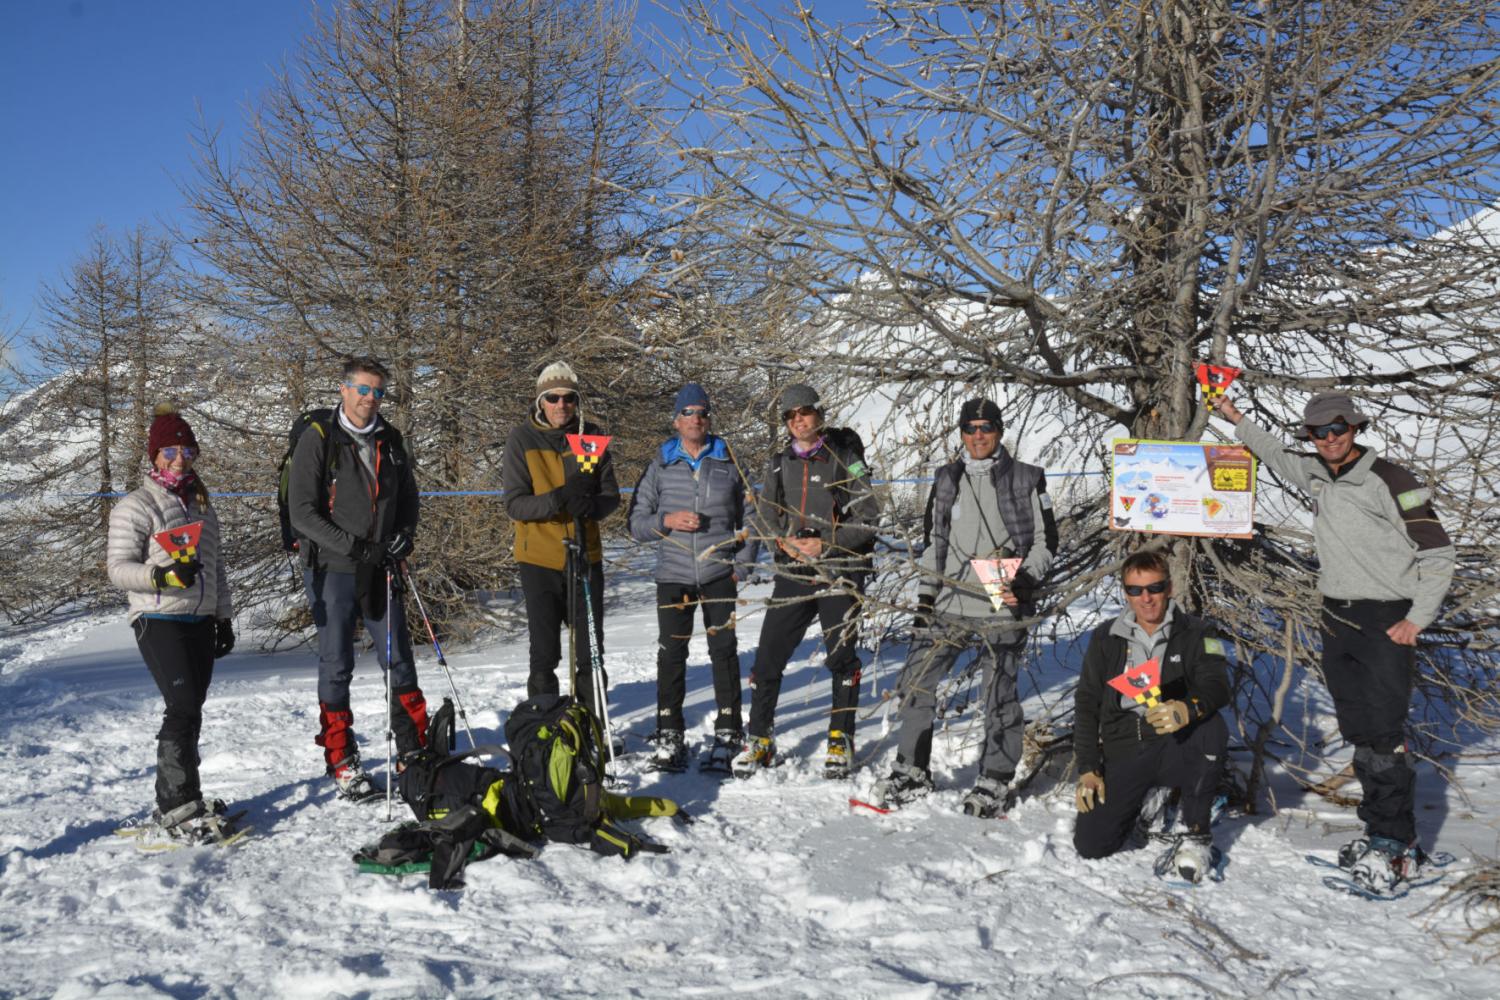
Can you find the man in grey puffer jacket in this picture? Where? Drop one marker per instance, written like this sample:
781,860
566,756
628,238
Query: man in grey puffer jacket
1385,564
690,501
984,505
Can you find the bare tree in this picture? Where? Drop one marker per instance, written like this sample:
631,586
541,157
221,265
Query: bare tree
99,365
1077,201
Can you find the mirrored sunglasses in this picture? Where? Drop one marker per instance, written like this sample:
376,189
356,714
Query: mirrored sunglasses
365,390
799,411
1322,431
693,411
561,397
980,427
1137,589
171,452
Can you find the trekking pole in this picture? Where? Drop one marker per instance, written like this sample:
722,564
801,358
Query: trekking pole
596,665
390,716
411,585
570,579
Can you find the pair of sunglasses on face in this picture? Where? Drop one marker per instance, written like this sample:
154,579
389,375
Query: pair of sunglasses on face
366,390
561,397
800,411
980,427
1137,589
171,452
1322,431
693,411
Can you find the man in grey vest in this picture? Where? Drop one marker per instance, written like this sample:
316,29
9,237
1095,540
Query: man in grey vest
984,506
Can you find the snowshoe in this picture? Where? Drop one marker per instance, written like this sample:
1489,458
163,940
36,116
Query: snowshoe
1157,816
1190,857
904,784
719,757
759,752
353,784
1378,864
671,752
840,760
989,798
192,824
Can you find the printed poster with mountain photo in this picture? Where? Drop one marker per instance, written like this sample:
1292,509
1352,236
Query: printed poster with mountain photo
1182,488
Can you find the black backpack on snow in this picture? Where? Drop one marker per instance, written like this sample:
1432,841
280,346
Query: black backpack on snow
319,420
557,785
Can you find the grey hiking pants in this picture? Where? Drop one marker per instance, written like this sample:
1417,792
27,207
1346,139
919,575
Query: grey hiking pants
932,654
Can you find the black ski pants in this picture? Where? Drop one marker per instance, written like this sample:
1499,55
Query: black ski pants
546,594
180,656
336,611
675,604
1370,679
795,602
1190,760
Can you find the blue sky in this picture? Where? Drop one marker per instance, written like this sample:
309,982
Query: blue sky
98,99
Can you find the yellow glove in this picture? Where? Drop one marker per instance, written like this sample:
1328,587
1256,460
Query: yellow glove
1090,788
1168,717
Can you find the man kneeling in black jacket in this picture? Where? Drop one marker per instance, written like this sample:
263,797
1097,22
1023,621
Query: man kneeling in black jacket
1147,715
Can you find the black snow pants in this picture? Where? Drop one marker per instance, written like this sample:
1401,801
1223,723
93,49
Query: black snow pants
675,604
180,656
1370,679
795,603
546,594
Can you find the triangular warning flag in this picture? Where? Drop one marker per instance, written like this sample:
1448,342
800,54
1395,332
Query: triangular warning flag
1213,380
588,449
994,573
1127,502
1141,682
180,543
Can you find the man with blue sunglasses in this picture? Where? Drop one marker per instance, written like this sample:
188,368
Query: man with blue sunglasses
353,504
1385,564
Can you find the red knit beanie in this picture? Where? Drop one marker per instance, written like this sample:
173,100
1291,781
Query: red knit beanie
169,429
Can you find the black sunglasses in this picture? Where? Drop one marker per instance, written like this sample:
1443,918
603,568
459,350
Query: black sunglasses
979,427
561,397
1137,589
799,411
1322,431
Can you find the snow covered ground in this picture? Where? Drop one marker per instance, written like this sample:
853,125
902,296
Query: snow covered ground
777,889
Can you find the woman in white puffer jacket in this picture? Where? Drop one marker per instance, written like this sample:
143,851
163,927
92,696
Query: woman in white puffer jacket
180,612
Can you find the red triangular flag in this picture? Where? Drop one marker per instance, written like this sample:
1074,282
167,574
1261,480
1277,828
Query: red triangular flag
588,449
180,543
1138,681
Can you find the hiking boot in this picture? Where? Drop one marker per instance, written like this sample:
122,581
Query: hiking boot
1193,857
1381,866
353,784
671,752
721,752
990,797
904,784
840,759
759,752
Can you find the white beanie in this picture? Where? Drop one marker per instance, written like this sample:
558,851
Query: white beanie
556,377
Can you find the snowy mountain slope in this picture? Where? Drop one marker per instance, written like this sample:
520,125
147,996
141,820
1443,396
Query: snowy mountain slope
778,887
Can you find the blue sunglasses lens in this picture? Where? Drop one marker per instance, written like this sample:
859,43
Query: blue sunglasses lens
365,390
171,453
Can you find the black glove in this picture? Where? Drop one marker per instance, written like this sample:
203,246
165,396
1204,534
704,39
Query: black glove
399,546
363,551
223,638
178,575
581,506
923,616
1024,586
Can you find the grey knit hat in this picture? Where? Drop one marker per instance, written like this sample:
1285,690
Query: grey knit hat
797,395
